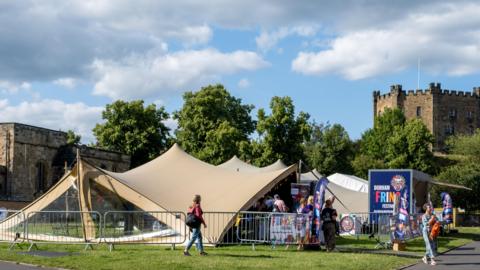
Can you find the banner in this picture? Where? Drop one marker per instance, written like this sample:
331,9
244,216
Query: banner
350,224
385,186
401,230
289,228
319,199
447,213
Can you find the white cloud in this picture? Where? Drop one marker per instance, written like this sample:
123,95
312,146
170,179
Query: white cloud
54,114
267,40
446,42
143,76
244,83
13,87
171,123
69,83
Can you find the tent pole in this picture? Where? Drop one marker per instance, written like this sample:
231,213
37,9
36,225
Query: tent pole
316,176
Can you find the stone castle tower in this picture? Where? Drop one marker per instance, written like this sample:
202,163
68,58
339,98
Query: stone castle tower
444,112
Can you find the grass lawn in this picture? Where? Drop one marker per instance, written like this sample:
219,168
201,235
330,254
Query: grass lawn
234,257
465,235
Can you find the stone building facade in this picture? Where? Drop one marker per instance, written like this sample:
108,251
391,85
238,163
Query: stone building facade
444,112
32,159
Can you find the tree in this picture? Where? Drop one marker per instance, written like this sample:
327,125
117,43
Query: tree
329,149
73,138
281,134
464,150
409,147
395,143
213,125
133,129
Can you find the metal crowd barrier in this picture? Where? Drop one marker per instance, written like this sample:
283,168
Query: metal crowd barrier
168,228
144,227
221,228
63,227
253,227
12,227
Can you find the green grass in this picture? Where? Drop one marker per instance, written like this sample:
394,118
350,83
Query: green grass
234,257
464,236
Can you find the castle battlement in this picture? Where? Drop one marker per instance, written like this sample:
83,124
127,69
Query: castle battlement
396,90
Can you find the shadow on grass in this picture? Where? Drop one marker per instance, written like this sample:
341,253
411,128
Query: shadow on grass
260,256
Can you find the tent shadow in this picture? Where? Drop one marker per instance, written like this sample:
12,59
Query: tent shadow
260,256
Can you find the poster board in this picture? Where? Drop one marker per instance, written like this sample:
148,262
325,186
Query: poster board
384,185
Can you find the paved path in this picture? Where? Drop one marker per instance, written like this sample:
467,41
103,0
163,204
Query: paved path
14,266
465,257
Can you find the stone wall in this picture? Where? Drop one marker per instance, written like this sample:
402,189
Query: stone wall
38,158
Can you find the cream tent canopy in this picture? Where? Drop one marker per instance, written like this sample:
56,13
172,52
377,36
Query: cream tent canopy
239,165
310,176
167,183
350,182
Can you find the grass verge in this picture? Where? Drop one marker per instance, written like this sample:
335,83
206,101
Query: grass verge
131,257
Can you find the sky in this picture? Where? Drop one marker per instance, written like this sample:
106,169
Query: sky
62,61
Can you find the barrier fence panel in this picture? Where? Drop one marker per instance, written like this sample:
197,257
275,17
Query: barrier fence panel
221,228
12,227
63,227
144,227
376,226
253,227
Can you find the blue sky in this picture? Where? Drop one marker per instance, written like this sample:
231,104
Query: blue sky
61,62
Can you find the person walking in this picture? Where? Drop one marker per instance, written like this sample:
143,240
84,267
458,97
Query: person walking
329,219
196,210
427,219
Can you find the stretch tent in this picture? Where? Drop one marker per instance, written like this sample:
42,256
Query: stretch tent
239,165
350,182
167,183
353,201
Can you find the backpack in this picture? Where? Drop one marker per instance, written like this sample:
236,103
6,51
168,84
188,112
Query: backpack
192,221
435,231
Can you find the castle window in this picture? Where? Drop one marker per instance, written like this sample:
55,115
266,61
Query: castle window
449,129
470,116
41,177
419,111
452,113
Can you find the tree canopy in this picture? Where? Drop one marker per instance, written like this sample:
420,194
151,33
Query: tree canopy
133,129
73,138
281,134
464,150
329,149
394,142
213,125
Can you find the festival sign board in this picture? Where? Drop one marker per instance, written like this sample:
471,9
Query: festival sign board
387,184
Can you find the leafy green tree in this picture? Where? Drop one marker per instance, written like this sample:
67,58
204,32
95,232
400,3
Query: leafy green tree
362,163
281,134
374,140
409,147
213,125
395,143
133,129
329,149
464,150
73,138
466,174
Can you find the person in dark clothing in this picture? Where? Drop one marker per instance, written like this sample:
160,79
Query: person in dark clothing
329,220
196,209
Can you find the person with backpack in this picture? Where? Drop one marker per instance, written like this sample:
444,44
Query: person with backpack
428,219
329,221
194,222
